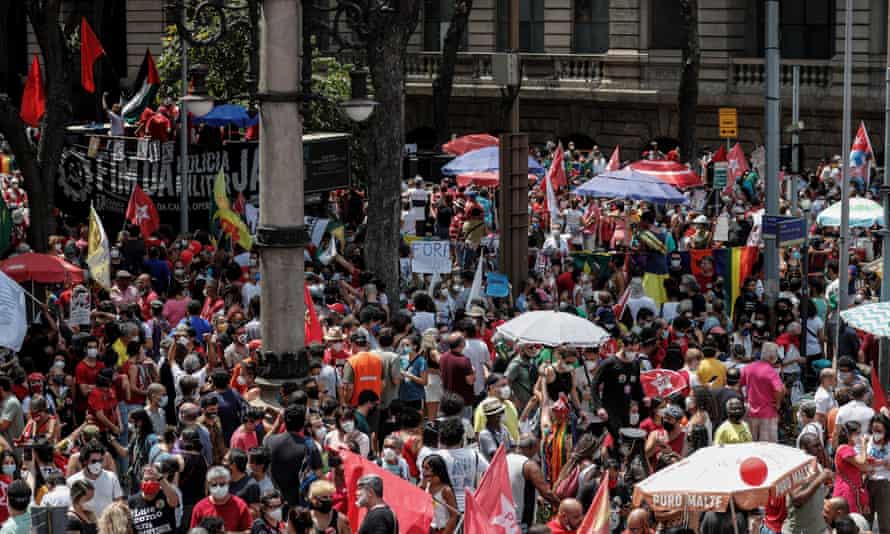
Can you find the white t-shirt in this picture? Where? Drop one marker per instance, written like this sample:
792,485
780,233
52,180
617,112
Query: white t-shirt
876,455
855,411
106,487
824,401
477,352
465,467
248,291
814,324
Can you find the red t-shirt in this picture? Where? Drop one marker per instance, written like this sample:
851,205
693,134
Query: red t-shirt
102,400
5,481
234,513
84,374
158,127
557,528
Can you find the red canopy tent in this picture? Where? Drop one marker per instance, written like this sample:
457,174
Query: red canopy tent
41,268
466,143
670,172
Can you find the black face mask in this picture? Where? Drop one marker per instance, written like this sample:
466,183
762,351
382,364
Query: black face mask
312,393
668,426
324,505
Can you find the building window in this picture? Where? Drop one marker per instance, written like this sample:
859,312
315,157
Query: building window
591,28
531,25
805,29
437,16
668,27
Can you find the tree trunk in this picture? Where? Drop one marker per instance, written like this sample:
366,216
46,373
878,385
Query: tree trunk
385,139
444,82
688,93
39,165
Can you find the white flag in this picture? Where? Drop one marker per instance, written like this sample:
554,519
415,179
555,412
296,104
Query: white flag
98,251
476,288
13,316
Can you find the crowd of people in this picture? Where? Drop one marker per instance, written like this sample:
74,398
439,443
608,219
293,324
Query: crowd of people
151,419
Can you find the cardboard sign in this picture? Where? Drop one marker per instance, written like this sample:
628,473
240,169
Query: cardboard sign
80,307
429,257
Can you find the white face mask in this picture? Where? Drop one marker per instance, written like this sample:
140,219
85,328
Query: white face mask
320,433
877,437
505,392
163,402
219,491
275,515
95,468
241,381
347,426
92,353
390,455
338,346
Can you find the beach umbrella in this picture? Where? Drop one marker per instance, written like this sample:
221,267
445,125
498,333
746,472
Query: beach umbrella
42,269
863,213
670,172
718,478
228,115
483,179
462,145
872,318
482,160
552,329
630,184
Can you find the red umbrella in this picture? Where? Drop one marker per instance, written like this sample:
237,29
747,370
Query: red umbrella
483,179
462,145
670,172
41,268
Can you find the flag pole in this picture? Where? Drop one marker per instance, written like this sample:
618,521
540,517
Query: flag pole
843,241
884,355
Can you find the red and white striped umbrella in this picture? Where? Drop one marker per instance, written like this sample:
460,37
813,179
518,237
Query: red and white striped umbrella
466,143
670,172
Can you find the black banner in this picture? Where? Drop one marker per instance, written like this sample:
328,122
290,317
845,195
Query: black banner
105,177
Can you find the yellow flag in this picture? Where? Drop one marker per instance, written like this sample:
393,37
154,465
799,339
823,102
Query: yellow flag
220,197
98,253
231,223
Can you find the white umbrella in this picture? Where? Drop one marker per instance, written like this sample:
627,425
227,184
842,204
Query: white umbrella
710,479
863,213
552,329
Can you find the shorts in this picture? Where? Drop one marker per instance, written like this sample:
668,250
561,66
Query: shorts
433,388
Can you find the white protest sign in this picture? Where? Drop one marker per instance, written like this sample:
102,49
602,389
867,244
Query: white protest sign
721,232
315,227
80,307
13,317
430,257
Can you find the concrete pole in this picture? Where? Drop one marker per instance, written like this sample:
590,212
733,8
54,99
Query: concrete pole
795,138
884,358
184,139
771,250
843,242
281,178
513,44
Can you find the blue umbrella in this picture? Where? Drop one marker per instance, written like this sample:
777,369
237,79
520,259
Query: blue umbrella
229,115
482,160
629,184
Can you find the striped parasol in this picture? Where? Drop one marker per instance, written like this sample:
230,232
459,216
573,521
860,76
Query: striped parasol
863,213
871,318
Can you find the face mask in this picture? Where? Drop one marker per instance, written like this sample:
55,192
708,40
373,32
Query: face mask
361,499
337,346
131,427
150,488
218,491
95,468
59,364
46,471
241,381
844,376
681,334
163,402
634,418
274,515
759,324
347,426
876,436
323,505
390,455
9,469
668,426
505,392
676,263
320,433
92,353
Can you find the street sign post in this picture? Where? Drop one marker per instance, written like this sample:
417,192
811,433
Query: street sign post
728,122
787,231
720,169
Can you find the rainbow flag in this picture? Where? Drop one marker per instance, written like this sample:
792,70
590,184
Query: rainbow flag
734,265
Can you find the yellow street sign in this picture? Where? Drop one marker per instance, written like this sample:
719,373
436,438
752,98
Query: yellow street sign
728,122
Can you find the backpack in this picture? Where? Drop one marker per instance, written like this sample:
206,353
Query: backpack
307,474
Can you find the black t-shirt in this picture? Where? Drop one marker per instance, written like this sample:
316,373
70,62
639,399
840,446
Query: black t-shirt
152,517
721,397
261,527
620,383
287,452
76,524
246,488
380,520
231,406
192,478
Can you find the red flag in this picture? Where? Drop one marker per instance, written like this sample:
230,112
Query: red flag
720,155
313,326
495,494
614,162
476,521
90,50
736,168
141,211
413,506
240,202
621,304
598,517
33,98
662,383
557,172
879,398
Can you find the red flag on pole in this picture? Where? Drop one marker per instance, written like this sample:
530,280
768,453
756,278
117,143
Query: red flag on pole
879,397
90,50
495,495
476,521
614,162
142,212
736,168
599,514
33,98
557,172
720,154
412,506
314,332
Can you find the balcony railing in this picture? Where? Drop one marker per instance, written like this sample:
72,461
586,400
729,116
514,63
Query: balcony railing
545,68
751,72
